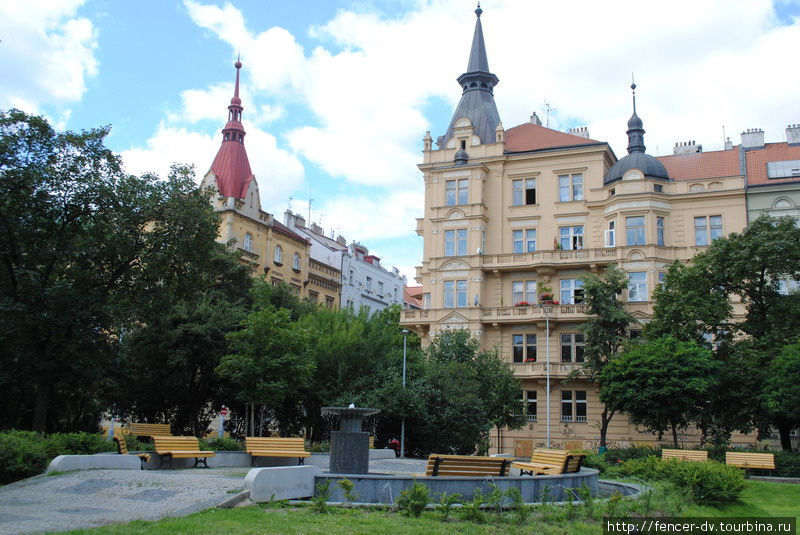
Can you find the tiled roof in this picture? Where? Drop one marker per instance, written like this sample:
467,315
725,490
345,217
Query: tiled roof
714,164
413,295
529,136
232,169
772,152
283,229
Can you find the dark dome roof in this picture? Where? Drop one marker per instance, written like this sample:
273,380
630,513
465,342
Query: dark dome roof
645,163
461,157
634,122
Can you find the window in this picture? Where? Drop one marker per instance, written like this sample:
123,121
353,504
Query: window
788,286
637,286
455,242
455,294
395,293
611,234
456,192
634,228
296,262
248,242
380,287
523,241
572,346
350,304
571,237
278,256
426,301
573,407
313,296
530,405
295,288
523,291
571,291
369,284
523,192
352,277
524,347
570,187
707,229
328,301
661,276
658,188
660,231
784,169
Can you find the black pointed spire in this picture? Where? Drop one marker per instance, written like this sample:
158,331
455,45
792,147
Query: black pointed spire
477,100
635,127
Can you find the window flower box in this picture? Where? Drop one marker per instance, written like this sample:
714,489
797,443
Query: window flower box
522,304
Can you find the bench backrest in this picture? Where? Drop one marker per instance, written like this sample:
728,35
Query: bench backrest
170,443
122,445
574,462
148,430
275,444
685,455
750,460
550,457
466,465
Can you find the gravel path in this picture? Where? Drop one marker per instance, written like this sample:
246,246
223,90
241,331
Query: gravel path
89,498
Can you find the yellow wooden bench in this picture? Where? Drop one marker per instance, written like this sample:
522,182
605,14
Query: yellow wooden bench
147,430
122,449
765,461
276,447
371,442
466,465
544,461
685,455
169,447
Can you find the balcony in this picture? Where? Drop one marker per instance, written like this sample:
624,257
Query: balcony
529,314
577,257
538,370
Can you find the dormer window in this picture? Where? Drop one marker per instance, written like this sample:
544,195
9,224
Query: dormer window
463,144
227,136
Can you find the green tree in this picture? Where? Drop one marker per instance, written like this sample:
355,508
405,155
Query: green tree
781,395
269,363
605,331
661,384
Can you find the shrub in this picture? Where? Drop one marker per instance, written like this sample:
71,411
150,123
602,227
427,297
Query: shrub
593,460
787,464
22,454
320,447
135,444
77,444
347,488
319,501
414,499
472,511
446,502
221,444
615,455
521,510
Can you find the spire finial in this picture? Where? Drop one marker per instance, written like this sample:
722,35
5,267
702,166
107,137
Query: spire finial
238,66
479,10
633,90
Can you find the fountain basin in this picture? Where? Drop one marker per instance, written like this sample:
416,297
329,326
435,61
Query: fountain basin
349,445
385,488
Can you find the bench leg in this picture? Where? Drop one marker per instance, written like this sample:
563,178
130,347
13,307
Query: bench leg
252,461
301,461
168,457
198,460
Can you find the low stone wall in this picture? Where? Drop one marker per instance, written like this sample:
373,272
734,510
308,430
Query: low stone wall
384,488
281,483
64,463
224,459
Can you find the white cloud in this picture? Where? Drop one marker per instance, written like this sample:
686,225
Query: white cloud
47,54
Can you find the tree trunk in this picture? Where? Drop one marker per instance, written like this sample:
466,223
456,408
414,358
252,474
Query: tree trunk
784,430
40,410
674,435
604,421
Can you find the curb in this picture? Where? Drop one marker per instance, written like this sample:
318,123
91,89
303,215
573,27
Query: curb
237,500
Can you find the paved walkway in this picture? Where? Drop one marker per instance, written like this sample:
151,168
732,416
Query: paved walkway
90,498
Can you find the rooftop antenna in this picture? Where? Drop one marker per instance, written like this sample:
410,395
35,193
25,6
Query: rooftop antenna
549,108
724,139
310,200
290,203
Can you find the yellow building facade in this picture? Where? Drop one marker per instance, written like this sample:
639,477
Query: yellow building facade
514,214
271,249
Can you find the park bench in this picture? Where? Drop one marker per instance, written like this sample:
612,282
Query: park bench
466,465
147,430
122,449
276,447
548,462
685,455
764,461
371,442
169,447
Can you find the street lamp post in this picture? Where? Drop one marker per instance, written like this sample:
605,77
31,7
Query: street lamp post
403,421
547,367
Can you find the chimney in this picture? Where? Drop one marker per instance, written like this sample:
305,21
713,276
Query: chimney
686,147
341,241
793,134
581,131
535,119
753,138
728,144
288,218
316,229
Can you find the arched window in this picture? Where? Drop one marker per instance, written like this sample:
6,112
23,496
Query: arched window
296,262
248,242
278,258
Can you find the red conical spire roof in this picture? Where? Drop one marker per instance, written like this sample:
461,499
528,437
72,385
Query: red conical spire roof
231,167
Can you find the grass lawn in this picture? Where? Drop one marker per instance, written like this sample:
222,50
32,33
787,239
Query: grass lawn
759,499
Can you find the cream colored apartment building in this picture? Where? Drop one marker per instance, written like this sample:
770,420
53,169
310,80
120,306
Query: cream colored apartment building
509,213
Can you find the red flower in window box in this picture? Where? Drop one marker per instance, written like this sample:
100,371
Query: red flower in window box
522,304
530,360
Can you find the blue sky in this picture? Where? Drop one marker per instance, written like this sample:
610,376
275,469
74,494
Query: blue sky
338,95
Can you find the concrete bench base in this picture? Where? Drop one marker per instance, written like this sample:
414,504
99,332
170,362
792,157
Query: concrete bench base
281,483
64,463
